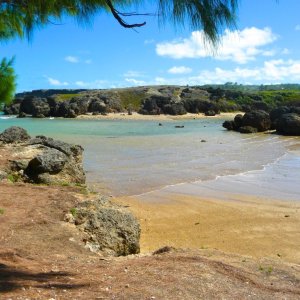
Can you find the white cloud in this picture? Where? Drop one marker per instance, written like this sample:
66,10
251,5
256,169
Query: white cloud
56,82
240,46
72,59
131,73
285,51
272,71
96,84
180,70
297,27
135,81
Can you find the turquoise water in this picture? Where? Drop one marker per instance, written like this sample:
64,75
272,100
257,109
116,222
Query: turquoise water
133,157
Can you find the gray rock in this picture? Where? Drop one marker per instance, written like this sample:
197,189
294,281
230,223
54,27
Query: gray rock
66,148
247,129
288,124
3,175
49,161
14,134
109,229
257,119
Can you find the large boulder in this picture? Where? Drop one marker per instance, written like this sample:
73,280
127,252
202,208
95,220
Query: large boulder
14,134
288,124
257,119
108,228
59,162
41,159
34,106
174,109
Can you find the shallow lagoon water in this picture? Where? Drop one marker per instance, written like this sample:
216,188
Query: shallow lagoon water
136,157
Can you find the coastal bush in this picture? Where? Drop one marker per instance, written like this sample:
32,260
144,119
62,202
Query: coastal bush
1,211
7,80
131,99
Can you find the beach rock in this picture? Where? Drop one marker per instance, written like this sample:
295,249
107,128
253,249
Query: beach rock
229,125
49,161
210,113
109,229
288,124
257,119
35,106
42,159
238,121
97,106
12,109
14,134
247,129
174,109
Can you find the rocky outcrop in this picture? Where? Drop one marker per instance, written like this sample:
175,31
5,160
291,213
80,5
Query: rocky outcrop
14,134
252,122
150,100
41,159
108,228
288,124
257,119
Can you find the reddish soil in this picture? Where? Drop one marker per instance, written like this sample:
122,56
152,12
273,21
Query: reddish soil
42,257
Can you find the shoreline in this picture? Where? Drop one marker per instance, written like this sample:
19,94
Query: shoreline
136,116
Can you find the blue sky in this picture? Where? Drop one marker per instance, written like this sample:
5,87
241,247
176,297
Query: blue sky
263,49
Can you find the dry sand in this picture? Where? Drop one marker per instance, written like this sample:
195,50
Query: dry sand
136,116
249,227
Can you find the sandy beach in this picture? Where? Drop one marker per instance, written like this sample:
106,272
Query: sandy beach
136,116
250,227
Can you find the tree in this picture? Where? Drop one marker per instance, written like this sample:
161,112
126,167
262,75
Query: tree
7,80
20,17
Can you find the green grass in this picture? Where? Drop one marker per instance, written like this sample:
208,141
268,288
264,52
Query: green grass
131,99
13,177
266,270
73,212
65,97
1,211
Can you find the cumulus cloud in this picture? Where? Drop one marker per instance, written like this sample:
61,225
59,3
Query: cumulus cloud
180,70
240,46
132,73
96,84
135,81
56,82
272,71
72,59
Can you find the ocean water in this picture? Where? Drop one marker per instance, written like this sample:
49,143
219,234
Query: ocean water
135,157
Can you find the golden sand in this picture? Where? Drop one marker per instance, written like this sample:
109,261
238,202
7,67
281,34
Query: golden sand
136,116
248,227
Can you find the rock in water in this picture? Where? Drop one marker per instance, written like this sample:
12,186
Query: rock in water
109,229
288,124
14,134
257,119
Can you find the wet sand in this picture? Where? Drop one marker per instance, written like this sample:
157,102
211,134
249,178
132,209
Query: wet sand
250,226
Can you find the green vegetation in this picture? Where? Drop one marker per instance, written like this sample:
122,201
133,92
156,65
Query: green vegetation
7,80
65,97
20,18
266,270
131,99
238,94
73,212
13,177
1,211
